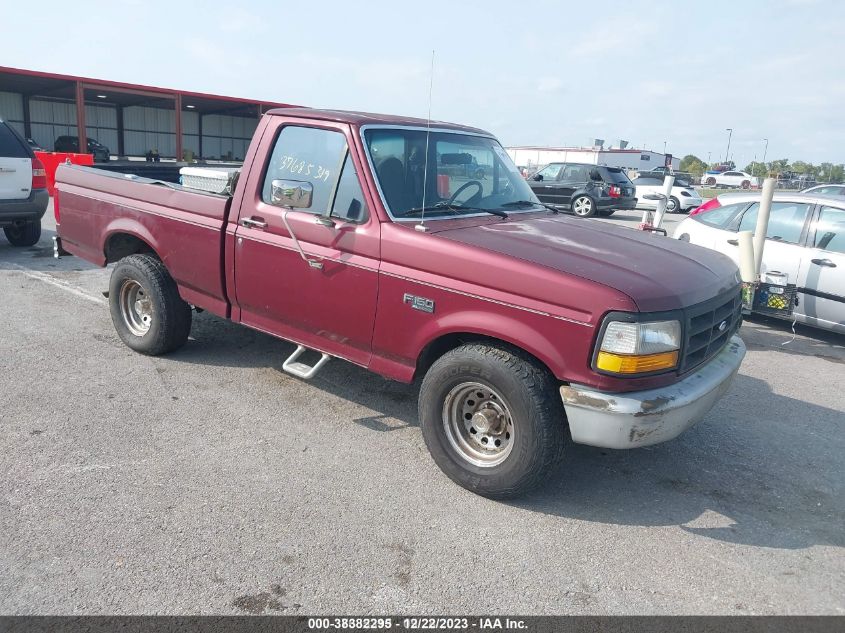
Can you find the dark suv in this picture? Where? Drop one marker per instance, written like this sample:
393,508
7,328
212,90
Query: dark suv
71,144
586,190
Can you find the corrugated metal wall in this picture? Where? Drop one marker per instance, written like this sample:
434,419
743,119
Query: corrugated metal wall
145,128
11,110
101,125
50,120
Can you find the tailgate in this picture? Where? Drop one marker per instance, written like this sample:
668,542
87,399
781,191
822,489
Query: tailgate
15,178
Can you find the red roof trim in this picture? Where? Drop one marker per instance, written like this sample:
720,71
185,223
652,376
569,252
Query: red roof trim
104,83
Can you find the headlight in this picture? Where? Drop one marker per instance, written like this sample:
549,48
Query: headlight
638,348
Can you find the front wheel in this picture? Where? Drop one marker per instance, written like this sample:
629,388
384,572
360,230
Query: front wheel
583,207
24,234
146,309
492,419
746,184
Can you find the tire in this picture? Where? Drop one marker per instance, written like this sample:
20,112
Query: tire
526,416
26,234
584,207
746,184
146,309
673,205
710,181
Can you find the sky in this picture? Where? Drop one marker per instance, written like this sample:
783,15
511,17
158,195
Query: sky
533,73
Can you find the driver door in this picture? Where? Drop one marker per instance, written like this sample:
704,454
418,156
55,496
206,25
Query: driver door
328,302
547,187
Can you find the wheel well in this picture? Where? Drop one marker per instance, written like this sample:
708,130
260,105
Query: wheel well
120,245
446,343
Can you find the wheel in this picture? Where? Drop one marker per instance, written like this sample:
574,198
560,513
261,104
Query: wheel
25,234
584,207
711,181
492,419
146,309
673,205
746,184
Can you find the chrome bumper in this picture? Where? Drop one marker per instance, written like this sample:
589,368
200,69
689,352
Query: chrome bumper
641,418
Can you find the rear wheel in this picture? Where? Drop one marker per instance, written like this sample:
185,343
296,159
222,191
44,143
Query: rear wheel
492,419
583,207
673,205
746,184
711,181
24,234
146,309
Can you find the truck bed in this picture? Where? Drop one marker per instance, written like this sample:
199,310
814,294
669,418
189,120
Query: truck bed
98,209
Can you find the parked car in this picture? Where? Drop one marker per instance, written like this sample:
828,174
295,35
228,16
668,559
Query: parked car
71,144
805,241
739,179
718,201
584,189
683,197
23,189
826,190
343,236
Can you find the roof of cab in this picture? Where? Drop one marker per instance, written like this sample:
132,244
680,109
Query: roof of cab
369,118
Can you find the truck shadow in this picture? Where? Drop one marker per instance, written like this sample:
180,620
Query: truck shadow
762,469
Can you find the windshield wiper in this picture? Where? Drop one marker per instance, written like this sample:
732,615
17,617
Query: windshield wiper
442,206
523,203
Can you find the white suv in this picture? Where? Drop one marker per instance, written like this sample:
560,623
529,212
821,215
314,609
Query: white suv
729,179
23,189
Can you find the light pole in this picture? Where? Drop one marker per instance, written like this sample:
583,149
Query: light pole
664,148
730,131
708,159
765,149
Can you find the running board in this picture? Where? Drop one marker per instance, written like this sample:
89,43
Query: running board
301,370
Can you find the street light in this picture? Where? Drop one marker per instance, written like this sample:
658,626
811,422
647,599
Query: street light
730,131
766,149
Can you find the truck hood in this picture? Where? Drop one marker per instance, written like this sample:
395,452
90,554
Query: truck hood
656,272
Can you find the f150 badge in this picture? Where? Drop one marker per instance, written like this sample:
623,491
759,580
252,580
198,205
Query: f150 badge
419,303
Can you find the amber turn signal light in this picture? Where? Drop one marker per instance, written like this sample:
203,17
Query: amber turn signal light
621,364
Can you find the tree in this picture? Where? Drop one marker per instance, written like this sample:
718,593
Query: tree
757,169
693,165
779,166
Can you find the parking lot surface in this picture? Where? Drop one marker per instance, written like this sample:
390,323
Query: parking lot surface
209,481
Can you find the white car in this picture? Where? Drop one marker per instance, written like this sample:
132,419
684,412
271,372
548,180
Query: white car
805,242
683,197
826,190
739,179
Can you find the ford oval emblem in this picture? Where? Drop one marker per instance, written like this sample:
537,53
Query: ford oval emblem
722,326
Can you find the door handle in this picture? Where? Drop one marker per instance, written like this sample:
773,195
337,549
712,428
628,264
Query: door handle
734,242
823,262
251,223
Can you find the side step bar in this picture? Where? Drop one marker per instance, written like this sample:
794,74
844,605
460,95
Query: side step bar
301,370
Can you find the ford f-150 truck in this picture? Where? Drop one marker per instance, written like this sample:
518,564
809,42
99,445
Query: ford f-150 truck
348,235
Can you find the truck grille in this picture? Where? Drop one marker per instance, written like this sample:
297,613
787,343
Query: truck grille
704,334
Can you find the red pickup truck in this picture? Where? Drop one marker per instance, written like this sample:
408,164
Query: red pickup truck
349,235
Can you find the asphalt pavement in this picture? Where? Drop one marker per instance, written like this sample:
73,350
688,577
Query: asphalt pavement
210,482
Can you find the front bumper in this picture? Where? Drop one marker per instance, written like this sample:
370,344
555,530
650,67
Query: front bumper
641,418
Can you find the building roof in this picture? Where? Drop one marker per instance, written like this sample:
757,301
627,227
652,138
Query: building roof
44,84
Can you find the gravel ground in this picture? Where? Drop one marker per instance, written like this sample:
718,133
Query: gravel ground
210,482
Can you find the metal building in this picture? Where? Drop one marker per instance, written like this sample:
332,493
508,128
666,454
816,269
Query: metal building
131,120
533,157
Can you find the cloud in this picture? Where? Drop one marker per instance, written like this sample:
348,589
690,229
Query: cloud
549,84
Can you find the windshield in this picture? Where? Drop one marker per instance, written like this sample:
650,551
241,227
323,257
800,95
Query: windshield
466,174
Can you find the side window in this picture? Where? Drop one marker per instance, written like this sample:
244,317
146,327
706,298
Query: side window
349,201
785,220
550,172
830,230
720,217
310,155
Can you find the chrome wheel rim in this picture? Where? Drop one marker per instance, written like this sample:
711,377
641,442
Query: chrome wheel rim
136,307
478,424
583,206
671,206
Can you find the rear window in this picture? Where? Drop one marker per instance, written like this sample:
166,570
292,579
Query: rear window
614,174
10,145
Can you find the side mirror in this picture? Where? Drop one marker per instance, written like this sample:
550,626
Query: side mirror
291,194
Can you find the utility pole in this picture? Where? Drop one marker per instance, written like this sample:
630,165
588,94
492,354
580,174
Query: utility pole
730,131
